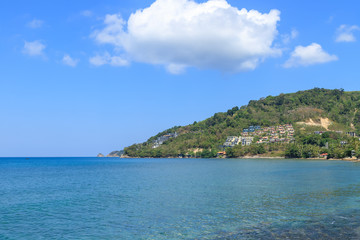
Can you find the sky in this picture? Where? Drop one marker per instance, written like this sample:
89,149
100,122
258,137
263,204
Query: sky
96,76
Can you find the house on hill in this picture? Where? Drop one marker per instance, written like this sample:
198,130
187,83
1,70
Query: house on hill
231,141
160,140
351,134
245,141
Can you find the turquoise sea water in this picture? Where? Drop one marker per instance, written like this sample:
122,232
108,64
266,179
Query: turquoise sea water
111,198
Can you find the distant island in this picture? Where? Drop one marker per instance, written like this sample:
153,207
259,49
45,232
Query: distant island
316,123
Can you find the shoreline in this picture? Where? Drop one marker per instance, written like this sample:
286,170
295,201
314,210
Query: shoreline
257,157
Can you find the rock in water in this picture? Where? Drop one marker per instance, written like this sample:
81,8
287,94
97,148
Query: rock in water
100,155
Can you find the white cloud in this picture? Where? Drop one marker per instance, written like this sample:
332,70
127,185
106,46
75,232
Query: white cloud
69,61
118,61
86,13
175,68
294,34
36,23
183,33
106,58
35,48
309,55
286,38
98,60
345,33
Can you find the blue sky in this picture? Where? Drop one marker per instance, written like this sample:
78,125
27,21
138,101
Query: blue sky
88,77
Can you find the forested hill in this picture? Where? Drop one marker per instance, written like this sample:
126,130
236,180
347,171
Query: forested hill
308,111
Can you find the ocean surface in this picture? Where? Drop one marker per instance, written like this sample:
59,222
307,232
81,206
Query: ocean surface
112,198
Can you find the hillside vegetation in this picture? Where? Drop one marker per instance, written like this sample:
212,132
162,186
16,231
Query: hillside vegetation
308,111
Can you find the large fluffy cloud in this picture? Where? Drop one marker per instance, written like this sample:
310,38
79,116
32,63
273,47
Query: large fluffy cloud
183,33
309,55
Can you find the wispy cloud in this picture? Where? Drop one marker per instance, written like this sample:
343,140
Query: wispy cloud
330,20
69,61
86,13
180,34
35,48
309,55
36,23
286,38
345,33
106,58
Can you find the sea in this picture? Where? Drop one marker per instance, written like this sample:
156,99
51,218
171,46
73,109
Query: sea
113,198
